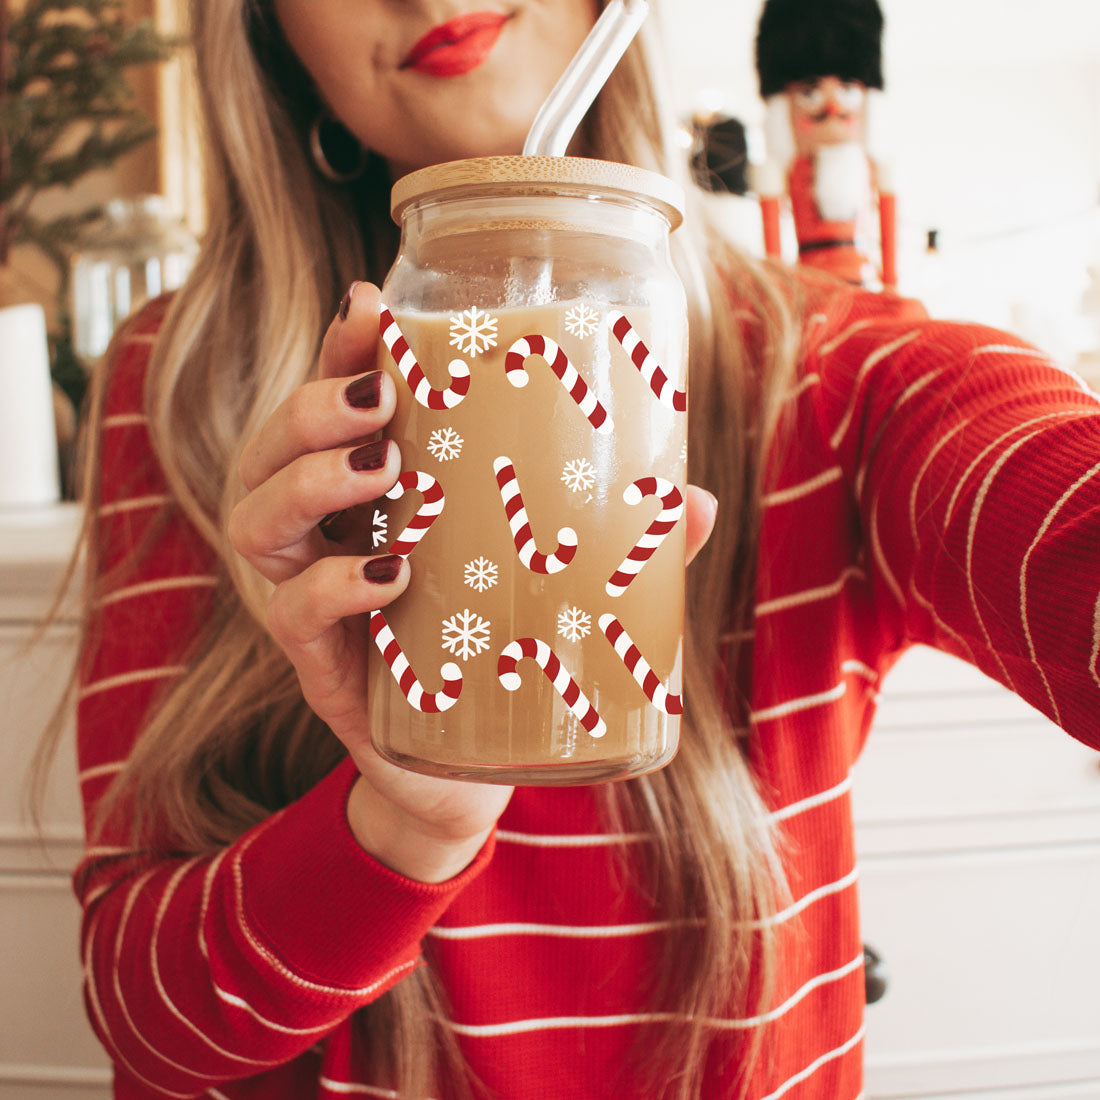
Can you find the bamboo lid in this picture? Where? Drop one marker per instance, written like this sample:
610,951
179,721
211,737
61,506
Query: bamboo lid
545,175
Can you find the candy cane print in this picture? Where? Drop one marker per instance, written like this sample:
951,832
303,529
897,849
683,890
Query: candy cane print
556,673
640,356
422,389
516,372
426,514
638,667
672,507
427,702
512,498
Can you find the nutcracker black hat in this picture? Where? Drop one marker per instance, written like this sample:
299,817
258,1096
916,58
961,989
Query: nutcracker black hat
805,39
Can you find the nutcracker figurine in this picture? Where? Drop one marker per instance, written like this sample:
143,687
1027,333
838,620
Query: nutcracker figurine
820,68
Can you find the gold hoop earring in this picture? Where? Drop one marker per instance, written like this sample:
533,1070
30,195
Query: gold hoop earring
336,151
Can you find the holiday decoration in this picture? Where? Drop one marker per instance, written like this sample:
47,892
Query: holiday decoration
380,528
445,444
428,512
819,64
428,702
568,688
578,475
531,557
410,370
656,379
582,321
473,331
650,683
466,634
569,573
574,624
482,574
65,110
567,374
672,508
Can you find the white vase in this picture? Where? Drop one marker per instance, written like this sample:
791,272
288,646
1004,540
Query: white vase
29,475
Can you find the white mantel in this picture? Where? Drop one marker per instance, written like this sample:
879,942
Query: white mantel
35,547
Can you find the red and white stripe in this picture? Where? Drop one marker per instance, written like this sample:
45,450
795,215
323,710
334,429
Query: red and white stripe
743,1023
568,688
516,373
672,508
424,392
427,702
428,512
641,357
520,526
648,680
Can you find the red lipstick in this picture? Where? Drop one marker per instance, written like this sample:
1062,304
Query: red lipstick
458,46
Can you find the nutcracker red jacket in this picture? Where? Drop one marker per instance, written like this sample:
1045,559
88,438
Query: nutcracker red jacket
942,486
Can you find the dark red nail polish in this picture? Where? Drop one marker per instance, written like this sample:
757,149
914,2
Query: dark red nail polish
382,570
345,302
365,392
371,456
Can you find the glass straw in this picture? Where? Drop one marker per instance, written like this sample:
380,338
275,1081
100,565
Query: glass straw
570,98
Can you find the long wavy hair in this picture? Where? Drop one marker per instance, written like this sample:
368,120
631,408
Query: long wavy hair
233,740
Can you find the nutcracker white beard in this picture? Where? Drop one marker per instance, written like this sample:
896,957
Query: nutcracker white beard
842,181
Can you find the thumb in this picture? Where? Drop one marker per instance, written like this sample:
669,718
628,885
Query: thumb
702,508
350,345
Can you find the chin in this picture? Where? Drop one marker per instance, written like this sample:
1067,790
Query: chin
477,116
499,138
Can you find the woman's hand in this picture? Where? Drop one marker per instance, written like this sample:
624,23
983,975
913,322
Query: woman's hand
319,455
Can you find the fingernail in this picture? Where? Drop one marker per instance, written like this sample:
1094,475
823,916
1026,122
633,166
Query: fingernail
345,302
365,392
371,456
382,570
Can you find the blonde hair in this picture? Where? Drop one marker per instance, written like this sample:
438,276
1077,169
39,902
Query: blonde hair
233,740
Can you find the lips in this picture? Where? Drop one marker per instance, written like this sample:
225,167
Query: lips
458,46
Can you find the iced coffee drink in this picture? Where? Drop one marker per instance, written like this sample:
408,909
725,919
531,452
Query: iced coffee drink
543,442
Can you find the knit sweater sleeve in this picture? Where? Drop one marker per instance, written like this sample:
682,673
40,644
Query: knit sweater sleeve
201,970
974,464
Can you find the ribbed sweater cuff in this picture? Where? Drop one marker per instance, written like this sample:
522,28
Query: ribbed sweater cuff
327,909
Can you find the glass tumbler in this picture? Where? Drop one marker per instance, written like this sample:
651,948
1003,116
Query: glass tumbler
536,330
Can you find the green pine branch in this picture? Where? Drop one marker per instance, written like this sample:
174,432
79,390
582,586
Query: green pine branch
66,108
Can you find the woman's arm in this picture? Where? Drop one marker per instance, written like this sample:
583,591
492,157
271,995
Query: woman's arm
975,463
204,970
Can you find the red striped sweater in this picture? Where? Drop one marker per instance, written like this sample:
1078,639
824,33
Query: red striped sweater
942,486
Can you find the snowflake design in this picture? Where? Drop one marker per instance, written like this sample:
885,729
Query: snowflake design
473,331
574,624
481,573
379,528
581,321
465,634
579,475
445,444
